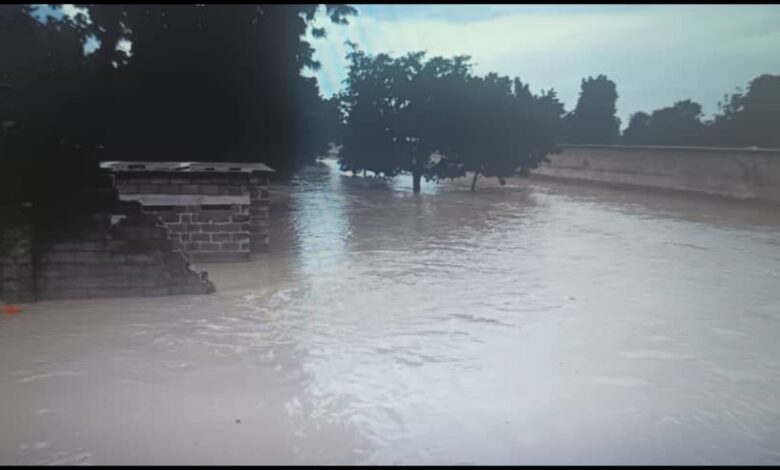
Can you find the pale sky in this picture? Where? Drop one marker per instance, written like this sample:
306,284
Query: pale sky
656,54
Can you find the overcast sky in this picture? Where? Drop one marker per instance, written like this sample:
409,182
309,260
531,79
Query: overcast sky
657,54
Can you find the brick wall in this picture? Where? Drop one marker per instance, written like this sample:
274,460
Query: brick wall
17,283
208,233
184,183
128,258
212,216
92,256
259,213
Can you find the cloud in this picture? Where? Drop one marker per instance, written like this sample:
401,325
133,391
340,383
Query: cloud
71,9
657,54
468,13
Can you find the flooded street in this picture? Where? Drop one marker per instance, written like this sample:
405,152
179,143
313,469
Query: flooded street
535,323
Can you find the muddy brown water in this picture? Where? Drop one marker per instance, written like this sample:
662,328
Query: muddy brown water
535,323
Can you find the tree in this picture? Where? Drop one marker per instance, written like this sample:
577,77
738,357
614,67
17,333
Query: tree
435,120
503,129
593,120
368,142
393,107
211,82
679,124
751,118
46,155
197,83
637,132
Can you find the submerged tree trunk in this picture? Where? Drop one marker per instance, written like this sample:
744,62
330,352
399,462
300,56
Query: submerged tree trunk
416,182
474,181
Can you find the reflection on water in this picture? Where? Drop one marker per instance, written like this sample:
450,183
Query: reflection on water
538,322
534,323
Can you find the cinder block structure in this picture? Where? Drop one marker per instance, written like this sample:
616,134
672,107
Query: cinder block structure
94,255
169,214
214,212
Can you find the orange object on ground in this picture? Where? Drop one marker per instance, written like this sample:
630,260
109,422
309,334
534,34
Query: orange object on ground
11,309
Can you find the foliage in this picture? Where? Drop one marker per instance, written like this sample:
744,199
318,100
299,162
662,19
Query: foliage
504,130
213,82
394,112
45,146
167,82
746,119
593,120
679,124
434,119
751,118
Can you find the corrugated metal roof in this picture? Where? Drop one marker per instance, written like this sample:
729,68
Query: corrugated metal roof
216,167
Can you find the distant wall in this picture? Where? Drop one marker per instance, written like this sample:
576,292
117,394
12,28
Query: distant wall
739,173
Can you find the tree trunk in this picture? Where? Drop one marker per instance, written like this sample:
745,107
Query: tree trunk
416,182
474,181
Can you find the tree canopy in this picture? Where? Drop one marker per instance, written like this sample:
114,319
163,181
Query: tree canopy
45,147
166,82
502,128
393,107
679,124
434,119
213,82
745,119
593,120
751,118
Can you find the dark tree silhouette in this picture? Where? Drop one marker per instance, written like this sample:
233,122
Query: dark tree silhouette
637,132
198,83
46,154
504,130
212,82
434,120
751,118
393,111
593,120
746,119
368,141
679,124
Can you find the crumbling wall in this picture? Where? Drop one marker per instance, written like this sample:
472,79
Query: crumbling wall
113,256
213,217
209,233
17,284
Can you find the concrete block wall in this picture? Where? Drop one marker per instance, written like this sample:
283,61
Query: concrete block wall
17,284
131,257
208,233
260,202
733,172
214,217
204,184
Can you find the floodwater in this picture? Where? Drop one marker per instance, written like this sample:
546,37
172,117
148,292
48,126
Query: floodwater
535,323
